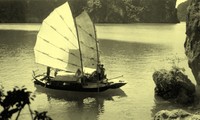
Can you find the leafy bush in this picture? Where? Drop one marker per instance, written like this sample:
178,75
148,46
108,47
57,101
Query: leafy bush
14,101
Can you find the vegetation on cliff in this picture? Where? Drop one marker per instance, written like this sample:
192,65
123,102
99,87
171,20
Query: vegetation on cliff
174,85
182,10
101,11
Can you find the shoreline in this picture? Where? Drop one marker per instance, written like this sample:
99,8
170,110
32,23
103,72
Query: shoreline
36,26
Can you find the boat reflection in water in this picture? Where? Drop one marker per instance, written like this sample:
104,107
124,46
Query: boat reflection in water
74,96
78,105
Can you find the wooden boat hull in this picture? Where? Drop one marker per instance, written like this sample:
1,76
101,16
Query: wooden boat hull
74,86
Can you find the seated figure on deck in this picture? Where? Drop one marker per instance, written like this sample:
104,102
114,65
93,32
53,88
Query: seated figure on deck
81,78
78,75
47,77
99,74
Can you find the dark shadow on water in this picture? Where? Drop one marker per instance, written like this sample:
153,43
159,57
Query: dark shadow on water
88,105
161,104
75,96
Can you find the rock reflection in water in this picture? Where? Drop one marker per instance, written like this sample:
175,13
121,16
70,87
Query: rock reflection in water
161,104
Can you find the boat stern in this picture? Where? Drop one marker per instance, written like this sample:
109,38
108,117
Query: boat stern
115,85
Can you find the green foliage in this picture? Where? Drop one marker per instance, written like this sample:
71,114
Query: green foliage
161,11
93,5
14,101
175,62
109,11
132,11
41,116
182,10
174,85
1,94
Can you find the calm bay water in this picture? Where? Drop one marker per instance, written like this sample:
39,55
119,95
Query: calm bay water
132,50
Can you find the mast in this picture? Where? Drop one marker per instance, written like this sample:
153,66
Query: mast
98,60
81,57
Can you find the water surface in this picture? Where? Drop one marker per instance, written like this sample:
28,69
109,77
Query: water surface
132,50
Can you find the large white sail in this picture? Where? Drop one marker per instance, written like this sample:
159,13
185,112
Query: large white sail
87,40
57,44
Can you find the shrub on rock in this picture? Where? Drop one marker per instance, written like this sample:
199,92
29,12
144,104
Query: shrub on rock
174,85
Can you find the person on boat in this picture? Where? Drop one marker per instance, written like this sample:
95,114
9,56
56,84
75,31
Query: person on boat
81,77
84,80
56,72
48,73
78,73
101,72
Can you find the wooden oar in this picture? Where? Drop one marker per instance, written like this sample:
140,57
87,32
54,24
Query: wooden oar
116,77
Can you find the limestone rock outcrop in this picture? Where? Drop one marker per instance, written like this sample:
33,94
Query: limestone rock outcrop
176,115
174,86
192,43
182,10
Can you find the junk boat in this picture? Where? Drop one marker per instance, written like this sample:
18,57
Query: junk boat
69,48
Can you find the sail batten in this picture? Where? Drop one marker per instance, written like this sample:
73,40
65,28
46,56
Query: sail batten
66,24
67,52
90,58
89,47
66,38
57,59
88,33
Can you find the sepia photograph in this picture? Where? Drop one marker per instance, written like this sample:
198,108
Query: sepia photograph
99,59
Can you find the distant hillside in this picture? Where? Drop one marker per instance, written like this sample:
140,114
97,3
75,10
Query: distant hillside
101,11
182,10
26,10
161,11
